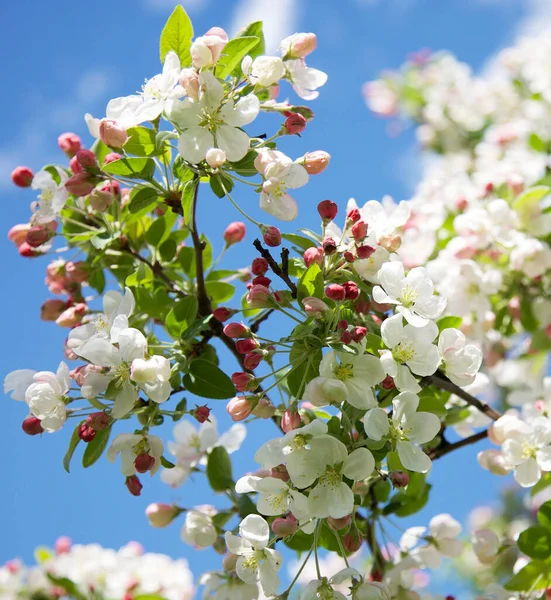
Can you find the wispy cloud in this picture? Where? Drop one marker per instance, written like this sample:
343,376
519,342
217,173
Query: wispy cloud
34,144
280,18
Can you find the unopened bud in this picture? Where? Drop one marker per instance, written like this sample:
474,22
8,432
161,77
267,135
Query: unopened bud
239,408
22,177
338,524
364,251
342,324
72,316
215,157
259,266
69,143
234,233
63,545
261,280
245,346
335,292
351,290
80,184
390,242
295,124
399,479
252,360
244,382
290,420
202,413
223,314
329,246
359,333
86,433
302,44
77,272
189,80
313,255
359,230
229,562
85,159
271,236
112,134
346,337
18,233
493,461
314,307
316,162
32,426
237,330
264,409
111,157
38,235
354,215
259,296
144,462
98,421
327,210
161,515
100,201
134,485
284,526
27,251
352,540
388,383
280,472
51,309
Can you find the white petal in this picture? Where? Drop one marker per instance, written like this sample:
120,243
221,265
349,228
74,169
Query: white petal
269,580
413,458
404,404
232,439
255,530
359,395
194,143
528,473
392,331
132,344
237,545
283,208
423,427
244,112
125,400
247,484
234,142
17,382
376,424
359,464
296,176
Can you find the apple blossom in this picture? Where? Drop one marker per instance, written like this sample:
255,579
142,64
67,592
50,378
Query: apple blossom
198,529
206,50
53,195
130,445
263,70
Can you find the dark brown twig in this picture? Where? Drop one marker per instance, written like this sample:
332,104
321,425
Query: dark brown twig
205,307
446,447
281,273
255,325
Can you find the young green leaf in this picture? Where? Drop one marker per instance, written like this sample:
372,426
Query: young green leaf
73,443
311,283
133,168
176,36
234,52
207,381
219,470
95,448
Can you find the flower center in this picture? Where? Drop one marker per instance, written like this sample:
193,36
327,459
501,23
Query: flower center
398,432
409,296
473,289
275,187
47,194
403,352
101,323
253,560
344,372
331,476
299,442
121,373
528,451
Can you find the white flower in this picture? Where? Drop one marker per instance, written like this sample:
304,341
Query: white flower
263,70
368,268
207,49
53,196
532,257
529,451
406,428
460,361
158,94
280,174
17,383
114,319
346,377
371,591
220,586
412,293
198,529
486,545
209,123
385,217
316,589
192,445
305,80
46,397
442,533
130,445
256,562
152,376
411,346
331,497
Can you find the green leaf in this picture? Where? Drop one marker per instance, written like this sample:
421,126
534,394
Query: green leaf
544,512
160,229
95,448
181,316
141,141
166,463
536,143
428,402
311,283
234,52
176,36
101,150
246,506
73,443
305,361
97,280
66,584
220,291
102,240
527,205
142,198
188,193
527,577
300,541
255,30
142,275
527,318
220,184
299,240
207,381
374,343
535,542
133,168
449,323
219,470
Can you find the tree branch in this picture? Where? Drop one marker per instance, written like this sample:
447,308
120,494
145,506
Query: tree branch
255,325
440,381
205,307
281,272
446,447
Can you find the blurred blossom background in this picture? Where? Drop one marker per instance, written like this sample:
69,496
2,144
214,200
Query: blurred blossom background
65,59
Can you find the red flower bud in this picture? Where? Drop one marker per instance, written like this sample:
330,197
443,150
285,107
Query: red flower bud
22,177
111,187
85,159
245,346
364,251
244,382
354,215
346,337
284,526
280,472
32,426
295,124
259,266
359,333
234,233
202,413
134,485
338,524
313,255
252,360
236,330
261,280
259,297
38,235
359,230
335,292
80,184
86,433
327,210
70,143
349,257
399,479
74,166
329,246
144,462
272,236
18,233
290,420
352,541
98,421
111,157
239,408
351,290
28,251
388,383
223,314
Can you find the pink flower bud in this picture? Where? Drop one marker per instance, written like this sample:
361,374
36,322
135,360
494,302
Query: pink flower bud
351,290
112,134
69,143
284,526
316,162
359,334
259,297
74,165
314,307
86,433
51,309
63,545
259,266
329,246
215,157
252,360
338,524
237,330
399,479
100,201
335,292
349,257
271,236
229,562
302,44
98,421
327,210
239,408
111,157
364,251
362,306
223,314
388,383
280,472
85,159
390,242
134,485
264,409
38,235
352,541
234,233
359,230
18,233
244,382
313,255
202,413
346,337
28,251
290,420
144,462
32,426
80,184
22,177
295,124
72,316
342,324
189,80
245,346
77,271
353,215
261,280
161,515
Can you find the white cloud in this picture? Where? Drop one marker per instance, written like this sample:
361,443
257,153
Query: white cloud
280,18
536,19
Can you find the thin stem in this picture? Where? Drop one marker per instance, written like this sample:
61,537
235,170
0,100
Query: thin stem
316,536
240,209
295,579
341,547
446,447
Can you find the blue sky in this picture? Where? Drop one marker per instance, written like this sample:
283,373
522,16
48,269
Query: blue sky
65,59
